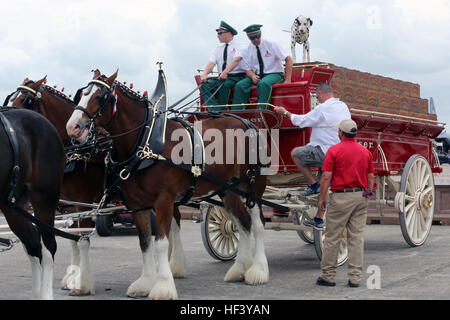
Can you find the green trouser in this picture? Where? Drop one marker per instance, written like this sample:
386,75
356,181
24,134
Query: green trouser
243,90
209,87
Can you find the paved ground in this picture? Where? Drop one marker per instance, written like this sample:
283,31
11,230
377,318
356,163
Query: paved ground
405,273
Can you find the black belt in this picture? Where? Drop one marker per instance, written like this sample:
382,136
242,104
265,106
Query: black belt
241,74
350,190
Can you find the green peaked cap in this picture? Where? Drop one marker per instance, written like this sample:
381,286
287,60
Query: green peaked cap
253,28
226,27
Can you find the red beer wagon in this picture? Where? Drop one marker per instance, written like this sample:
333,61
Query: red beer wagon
393,123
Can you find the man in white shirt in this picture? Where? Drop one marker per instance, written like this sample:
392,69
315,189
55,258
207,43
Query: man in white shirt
222,56
263,60
324,133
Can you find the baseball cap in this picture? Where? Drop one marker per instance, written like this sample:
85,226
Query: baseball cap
347,126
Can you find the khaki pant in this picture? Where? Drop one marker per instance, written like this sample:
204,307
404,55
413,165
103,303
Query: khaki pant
345,210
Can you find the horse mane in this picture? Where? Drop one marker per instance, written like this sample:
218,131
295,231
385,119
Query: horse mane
133,95
57,93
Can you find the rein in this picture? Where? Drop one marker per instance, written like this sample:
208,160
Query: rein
172,107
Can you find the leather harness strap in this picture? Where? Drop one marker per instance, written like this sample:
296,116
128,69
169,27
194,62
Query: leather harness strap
11,133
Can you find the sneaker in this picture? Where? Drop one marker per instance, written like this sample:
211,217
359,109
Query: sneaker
315,223
311,190
322,282
352,284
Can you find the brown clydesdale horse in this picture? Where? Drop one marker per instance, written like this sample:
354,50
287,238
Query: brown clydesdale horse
162,184
38,159
80,185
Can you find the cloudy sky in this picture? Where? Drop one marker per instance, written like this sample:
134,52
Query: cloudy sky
65,40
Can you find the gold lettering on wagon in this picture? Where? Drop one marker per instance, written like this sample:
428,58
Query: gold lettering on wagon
366,144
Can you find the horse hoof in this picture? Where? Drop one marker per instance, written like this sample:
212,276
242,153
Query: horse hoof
235,273
256,275
164,290
137,295
178,271
79,293
235,278
162,298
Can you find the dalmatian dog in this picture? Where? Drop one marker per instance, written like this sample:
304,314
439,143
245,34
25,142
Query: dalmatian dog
300,35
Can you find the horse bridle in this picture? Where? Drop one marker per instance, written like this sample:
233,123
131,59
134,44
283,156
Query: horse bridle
105,97
32,98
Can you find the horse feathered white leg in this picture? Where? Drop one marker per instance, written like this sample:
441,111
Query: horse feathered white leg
73,269
254,270
42,275
142,286
82,282
233,205
259,271
177,258
164,287
47,275
243,257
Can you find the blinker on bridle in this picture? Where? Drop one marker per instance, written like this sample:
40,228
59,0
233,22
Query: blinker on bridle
105,96
32,96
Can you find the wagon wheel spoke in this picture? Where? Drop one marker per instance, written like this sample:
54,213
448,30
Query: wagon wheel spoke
428,190
423,175
409,205
410,216
216,236
235,240
227,245
410,189
419,174
213,226
422,222
216,216
220,243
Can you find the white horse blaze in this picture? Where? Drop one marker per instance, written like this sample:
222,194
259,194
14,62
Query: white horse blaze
76,117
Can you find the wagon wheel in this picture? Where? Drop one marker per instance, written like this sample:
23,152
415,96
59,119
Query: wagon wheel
415,200
297,218
319,237
104,225
219,233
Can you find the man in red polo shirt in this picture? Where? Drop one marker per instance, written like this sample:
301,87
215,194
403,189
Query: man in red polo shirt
348,168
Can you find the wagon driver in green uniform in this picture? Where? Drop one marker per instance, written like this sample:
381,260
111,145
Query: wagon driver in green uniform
222,56
263,59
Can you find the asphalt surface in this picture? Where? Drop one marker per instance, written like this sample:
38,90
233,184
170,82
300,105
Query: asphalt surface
404,272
